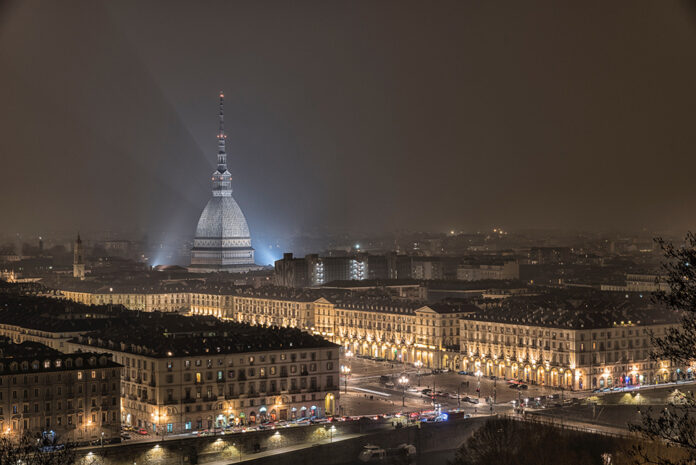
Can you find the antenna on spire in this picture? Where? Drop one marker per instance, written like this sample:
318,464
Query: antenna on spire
222,155
222,114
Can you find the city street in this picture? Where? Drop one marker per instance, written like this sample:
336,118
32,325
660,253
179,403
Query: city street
367,394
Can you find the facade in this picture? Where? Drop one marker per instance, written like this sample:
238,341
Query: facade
639,283
78,260
477,272
313,270
586,349
579,339
183,373
70,397
213,374
222,241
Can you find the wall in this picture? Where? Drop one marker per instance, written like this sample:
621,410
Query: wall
428,438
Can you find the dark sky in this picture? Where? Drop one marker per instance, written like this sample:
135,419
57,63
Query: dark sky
363,116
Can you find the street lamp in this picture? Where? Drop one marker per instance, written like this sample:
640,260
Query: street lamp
418,366
459,401
478,387
346,371
403,381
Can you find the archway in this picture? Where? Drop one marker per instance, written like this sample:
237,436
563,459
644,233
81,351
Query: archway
540,375
330,404
554,380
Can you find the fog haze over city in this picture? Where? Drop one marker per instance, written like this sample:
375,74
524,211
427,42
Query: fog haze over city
349,116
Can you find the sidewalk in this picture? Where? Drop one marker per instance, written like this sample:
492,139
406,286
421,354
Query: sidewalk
283,450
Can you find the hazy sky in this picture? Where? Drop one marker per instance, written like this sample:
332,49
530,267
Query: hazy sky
353,115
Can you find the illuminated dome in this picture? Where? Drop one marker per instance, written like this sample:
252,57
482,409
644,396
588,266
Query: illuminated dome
222,241
222,218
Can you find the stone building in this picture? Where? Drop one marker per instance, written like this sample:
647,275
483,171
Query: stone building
222,241
51,395
574,340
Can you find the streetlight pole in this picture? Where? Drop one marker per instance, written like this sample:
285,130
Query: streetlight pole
418,365
403,380
478,386
346,371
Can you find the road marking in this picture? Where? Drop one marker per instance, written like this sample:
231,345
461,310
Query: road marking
378,393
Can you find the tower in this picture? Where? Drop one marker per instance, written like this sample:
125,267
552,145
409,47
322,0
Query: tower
222,241
78,259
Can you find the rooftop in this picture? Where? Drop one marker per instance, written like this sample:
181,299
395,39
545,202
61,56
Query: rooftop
576,309
35,357
159,334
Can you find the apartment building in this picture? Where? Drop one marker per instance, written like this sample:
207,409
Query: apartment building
48,394
569,341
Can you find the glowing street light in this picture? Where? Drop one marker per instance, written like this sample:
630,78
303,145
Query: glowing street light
403,381
478,387
346,371
418,366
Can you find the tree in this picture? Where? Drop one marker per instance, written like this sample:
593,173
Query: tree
503,441
675,426
28,450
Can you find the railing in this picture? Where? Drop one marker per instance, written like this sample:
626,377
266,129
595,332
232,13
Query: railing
540,420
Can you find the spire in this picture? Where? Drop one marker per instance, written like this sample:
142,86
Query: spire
222,179
222,155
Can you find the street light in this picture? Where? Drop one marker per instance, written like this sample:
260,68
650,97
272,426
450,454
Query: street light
459,401
478,387
418,366
403,381
346,371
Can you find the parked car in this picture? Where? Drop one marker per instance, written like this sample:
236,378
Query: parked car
389,385
524,386
142,431
125,436
462,372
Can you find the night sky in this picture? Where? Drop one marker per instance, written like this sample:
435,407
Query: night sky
361,116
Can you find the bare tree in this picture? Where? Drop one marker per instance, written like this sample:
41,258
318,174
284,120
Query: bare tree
27,450
675,426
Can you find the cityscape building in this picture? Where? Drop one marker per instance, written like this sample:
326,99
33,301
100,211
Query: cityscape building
184,373
78,259
222,241
58,396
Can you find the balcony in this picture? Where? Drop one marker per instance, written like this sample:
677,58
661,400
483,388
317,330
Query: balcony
189,400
